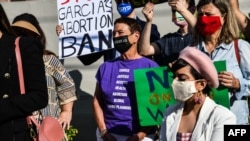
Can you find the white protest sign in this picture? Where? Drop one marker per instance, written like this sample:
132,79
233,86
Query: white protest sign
87,26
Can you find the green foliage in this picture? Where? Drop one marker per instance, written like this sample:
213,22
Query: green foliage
71,133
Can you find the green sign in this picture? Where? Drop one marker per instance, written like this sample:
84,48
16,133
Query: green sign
154,93
220,95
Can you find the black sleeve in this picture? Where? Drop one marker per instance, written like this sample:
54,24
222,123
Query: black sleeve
36,96
155,34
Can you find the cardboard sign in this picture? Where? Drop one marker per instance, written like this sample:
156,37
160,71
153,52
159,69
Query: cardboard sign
154,93
87,27
141,3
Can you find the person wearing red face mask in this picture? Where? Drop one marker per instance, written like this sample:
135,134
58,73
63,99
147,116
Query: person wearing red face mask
216,34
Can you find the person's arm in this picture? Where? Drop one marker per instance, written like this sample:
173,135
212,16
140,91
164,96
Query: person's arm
65,87
66,115
241,17
179,6
98,114
221,118
145,48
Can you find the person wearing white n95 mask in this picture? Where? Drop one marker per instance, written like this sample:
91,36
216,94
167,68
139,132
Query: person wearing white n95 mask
195,116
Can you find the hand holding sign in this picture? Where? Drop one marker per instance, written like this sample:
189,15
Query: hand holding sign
178,5
141,3
148,11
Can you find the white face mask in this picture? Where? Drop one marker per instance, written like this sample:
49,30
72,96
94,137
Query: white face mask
183,90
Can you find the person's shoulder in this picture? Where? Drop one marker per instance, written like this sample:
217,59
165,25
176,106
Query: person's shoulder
243,41
243,45
154,25
222,113
171,34
149,61
30,44
109,63
27,39
51,57
173,108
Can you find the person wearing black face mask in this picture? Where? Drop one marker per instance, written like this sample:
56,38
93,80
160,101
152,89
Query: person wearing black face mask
122,44
118,120
126,9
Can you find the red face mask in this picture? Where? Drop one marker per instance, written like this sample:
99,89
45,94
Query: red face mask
208,24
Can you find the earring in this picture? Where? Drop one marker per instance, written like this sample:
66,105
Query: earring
198,98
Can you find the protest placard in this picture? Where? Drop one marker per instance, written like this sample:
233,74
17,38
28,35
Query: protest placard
154,93
87,26
141,3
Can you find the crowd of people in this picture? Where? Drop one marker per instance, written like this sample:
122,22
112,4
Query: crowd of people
208,31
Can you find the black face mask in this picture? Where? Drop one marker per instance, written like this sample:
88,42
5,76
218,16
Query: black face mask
122,44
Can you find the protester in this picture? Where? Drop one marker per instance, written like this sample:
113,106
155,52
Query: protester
126,9
243,20
194,116
216,34
14,106
112,53
61,87
114,102
170,44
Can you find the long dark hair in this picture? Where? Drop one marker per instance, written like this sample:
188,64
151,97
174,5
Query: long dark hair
4,24
26,32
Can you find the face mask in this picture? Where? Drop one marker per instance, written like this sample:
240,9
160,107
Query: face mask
183,90
179,20
121,44
124,9
208,24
